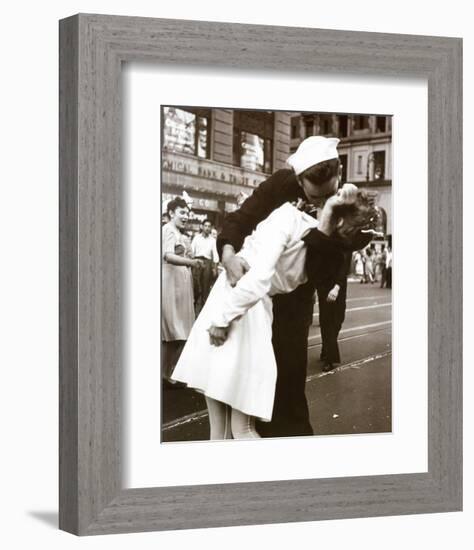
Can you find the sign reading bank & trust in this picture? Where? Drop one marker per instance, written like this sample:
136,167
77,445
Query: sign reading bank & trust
211,170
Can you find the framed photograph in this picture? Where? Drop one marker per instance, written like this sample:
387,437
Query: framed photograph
171,131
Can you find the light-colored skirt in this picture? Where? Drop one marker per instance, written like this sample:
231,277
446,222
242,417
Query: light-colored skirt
359,268
177,302
242,372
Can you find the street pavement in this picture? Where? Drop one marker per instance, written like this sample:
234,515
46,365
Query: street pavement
353,398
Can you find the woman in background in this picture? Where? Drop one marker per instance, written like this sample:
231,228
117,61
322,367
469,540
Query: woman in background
369,267
379,264
177,286
359,266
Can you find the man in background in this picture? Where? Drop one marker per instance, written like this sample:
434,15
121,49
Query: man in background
203,247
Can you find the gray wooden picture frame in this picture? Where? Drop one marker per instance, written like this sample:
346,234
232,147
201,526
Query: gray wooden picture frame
92,49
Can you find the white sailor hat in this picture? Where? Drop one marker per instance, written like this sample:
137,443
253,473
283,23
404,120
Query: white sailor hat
311,151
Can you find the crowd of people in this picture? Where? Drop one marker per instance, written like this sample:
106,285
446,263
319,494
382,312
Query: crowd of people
374,265
236,310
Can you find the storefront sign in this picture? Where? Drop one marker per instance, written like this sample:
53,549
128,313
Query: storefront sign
183,164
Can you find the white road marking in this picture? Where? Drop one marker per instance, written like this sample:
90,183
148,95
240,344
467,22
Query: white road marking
185,419
353,365
361,327
364,298
386,304
361,335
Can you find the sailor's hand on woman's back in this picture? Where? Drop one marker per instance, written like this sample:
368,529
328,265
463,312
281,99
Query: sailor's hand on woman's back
235,266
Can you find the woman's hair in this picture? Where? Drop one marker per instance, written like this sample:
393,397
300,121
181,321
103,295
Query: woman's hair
177,202
361,215
322,172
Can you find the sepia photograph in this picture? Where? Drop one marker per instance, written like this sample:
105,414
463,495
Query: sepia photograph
276,273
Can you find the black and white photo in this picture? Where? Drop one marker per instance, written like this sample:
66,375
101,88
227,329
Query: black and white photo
276,273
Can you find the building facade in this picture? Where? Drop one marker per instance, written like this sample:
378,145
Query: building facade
365,151
219,156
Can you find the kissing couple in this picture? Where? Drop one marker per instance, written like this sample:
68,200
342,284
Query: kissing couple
247,350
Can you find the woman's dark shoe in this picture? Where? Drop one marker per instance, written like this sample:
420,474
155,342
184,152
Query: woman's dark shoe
327,367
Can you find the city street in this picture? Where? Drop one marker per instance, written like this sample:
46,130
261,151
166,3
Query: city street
354,398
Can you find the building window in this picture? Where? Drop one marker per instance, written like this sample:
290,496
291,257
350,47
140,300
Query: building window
382,221
308,127
379,165
361,122
343,126
380,124
359,164
252,149
295,129
343,160
186,131
325,125
268,156
253,140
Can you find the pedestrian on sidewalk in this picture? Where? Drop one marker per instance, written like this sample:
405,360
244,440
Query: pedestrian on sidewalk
330,271
359,266
369,266
203,248
386,280
388,264
330,268
177,296
379,263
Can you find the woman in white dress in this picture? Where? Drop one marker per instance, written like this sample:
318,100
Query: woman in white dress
369,266
229,355
359,266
